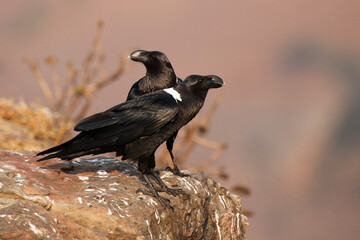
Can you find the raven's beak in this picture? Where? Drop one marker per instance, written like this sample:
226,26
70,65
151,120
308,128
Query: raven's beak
139,55
215,81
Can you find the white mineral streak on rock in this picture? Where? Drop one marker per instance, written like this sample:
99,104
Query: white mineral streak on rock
149,230
41,217
9,167
188,185
34,229
109,212
83,178
153,202
114,184
157,216
102,172
217,224
223,201
125,202
238,223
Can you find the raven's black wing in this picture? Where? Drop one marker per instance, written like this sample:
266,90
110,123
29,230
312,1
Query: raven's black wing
133,119
117,126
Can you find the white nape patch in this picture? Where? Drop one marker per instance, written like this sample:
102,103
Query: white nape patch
175,94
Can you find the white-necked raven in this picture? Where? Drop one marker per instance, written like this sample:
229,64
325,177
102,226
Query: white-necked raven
159,75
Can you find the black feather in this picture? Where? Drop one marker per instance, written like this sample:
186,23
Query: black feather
159,75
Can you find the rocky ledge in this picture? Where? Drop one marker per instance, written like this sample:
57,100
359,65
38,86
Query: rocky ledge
95,198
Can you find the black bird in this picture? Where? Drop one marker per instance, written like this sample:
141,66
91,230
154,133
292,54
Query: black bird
159,75
136,128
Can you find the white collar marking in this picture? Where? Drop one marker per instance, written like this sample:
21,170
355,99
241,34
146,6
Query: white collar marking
175,94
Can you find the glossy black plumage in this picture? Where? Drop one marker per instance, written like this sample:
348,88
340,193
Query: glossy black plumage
119,125
136,128
159,75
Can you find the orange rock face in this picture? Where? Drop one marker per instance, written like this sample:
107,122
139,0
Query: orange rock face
95,198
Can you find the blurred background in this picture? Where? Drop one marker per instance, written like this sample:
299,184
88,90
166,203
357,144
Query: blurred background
291,106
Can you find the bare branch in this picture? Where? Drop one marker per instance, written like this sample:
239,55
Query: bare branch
73,96
34,67
85,107
51,61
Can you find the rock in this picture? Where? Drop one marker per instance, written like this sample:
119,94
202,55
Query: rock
95,198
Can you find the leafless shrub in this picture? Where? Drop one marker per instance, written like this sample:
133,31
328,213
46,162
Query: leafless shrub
72,97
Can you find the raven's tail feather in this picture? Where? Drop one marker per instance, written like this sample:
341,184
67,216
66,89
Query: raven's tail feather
54,155
58,147
62,151
67,154
80,145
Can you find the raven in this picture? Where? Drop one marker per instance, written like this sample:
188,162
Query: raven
136,128
159,75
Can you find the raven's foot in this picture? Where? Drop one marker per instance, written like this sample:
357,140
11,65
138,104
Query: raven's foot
153,192
164,201
166,189
175,192
176,171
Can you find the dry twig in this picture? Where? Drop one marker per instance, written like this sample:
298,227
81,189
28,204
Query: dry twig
73,98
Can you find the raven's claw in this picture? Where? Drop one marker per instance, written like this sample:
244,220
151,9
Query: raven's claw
176,171
164,201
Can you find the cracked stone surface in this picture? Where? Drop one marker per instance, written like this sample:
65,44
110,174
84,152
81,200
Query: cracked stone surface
95,198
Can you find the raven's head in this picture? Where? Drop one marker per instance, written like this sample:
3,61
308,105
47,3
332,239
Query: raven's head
203,83
151,59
